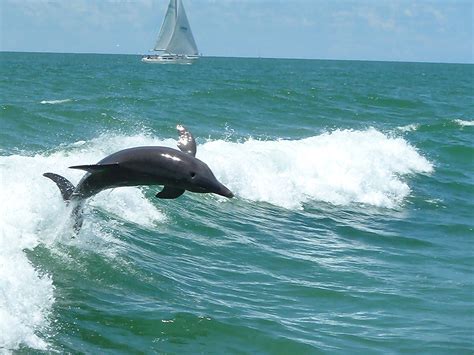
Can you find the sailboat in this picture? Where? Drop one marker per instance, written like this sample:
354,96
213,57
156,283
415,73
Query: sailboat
175,40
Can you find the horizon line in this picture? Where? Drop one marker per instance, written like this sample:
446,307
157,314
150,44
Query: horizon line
250,57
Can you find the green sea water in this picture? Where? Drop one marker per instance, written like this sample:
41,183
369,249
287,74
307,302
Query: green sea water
350,232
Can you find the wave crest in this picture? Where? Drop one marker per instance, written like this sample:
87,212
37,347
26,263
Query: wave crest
339,167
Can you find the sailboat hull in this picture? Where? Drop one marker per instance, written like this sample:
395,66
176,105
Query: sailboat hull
169,59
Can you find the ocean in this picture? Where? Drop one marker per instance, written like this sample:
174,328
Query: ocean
351,228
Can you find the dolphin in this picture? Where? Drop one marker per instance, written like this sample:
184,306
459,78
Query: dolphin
177,170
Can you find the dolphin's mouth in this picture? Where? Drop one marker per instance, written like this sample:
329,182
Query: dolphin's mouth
209,184
224,191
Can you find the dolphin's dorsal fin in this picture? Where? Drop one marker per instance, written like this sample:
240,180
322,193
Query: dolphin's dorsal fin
95,167
169,192
186,142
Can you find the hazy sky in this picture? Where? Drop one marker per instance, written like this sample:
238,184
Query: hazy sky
416,30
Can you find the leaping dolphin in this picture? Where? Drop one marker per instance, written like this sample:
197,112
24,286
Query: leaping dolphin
177,170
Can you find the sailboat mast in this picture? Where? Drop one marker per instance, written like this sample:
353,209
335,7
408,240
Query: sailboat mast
176,5
167,27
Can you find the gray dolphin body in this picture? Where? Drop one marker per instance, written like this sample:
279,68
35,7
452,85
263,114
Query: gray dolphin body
177,170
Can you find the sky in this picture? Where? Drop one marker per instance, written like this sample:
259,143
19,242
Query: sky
394,30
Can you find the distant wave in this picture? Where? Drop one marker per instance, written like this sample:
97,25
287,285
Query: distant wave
409,128
55,102
464,123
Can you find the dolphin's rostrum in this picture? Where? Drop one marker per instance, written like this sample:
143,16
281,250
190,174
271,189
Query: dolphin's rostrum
177,170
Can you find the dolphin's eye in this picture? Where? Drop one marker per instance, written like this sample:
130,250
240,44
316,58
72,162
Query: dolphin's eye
193,174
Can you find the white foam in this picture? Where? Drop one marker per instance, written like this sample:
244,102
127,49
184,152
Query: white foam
340,167
26,295
26,298
125,202
55,102
409,128
464,123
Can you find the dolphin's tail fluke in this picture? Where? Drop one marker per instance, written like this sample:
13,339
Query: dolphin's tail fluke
64,185
67,188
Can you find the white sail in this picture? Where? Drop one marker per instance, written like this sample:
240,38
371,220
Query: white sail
167,27
175,38
182,40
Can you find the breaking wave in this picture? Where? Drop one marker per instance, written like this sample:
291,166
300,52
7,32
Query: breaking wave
340,167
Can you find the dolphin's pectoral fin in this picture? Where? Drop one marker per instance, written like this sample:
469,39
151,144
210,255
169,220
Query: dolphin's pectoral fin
169,192
95,167
186,142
